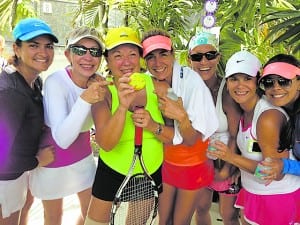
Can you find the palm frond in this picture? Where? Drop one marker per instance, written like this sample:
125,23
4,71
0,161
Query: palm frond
287,27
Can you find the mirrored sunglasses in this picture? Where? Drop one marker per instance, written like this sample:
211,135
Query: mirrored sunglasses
208,55
267,83
81,50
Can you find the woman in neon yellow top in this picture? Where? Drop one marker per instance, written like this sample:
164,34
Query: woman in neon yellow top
115,120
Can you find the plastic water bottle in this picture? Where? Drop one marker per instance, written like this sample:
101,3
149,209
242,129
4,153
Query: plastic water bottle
212,140
258,171
171,94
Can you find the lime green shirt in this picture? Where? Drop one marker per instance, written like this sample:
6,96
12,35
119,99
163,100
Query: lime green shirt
120,157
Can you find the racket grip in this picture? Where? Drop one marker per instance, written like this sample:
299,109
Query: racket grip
138,136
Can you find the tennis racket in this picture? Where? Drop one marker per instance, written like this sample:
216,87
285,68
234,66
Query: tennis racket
136,201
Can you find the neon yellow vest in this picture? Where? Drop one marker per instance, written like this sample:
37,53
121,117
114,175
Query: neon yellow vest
120,157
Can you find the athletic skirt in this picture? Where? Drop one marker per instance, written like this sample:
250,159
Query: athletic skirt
188,177
55,183
281,209
13,194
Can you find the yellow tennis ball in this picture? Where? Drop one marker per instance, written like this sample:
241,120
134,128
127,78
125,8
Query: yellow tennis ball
137,81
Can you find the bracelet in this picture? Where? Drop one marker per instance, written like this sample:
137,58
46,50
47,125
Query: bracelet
158,130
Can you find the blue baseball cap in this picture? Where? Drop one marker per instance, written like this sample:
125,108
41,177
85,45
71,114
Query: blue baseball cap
30,28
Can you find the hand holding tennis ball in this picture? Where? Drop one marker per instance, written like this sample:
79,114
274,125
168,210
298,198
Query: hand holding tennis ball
137,81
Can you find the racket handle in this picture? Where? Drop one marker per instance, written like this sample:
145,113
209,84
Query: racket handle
138,136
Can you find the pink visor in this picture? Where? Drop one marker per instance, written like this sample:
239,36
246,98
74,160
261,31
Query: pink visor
156,42
282,69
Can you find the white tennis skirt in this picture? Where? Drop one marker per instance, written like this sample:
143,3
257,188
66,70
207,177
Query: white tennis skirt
56,183
13,194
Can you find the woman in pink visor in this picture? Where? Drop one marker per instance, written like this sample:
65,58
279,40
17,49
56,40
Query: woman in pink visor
281,82
186,105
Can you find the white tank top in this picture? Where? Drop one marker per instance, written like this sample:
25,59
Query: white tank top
245,138
222,131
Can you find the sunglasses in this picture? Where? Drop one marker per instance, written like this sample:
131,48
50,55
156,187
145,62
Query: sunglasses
208,55
81,50
267,83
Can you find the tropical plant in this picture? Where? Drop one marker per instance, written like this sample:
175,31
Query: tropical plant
244,26
12,11
287,30
173,16
92,13
265,27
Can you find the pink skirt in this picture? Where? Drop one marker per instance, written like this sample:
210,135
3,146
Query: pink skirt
279,209
222,186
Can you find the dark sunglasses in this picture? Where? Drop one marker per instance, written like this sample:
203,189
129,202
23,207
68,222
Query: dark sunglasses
208,55
81,50
267,83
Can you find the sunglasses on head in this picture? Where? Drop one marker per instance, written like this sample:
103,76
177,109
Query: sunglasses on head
267,83
81,50
208,55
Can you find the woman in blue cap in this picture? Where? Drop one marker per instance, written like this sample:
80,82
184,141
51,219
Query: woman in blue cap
21,115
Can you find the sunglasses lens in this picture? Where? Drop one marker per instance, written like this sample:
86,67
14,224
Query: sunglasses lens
266,83
95,52
211,55
269,83
208,55
196,57
78,50
284,82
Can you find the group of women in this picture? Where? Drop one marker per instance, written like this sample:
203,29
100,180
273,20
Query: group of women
50,136
263,133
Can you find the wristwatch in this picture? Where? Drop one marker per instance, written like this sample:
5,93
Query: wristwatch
158,129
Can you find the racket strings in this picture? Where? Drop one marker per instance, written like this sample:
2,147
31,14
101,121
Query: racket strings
140,197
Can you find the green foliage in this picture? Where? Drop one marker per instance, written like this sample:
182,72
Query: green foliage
242,24
264,27
5,15
169,15
13,11
247,25
287,31
92,13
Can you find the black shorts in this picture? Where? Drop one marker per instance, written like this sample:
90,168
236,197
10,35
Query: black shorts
107,181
